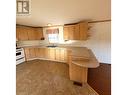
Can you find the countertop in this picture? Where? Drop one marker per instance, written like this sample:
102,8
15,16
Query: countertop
91,62
79,51
86,56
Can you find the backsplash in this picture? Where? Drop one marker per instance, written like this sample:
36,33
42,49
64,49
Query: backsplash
44,43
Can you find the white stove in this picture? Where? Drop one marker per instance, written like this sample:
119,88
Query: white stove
20,56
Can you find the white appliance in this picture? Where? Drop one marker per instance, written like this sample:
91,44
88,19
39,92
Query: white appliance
20,56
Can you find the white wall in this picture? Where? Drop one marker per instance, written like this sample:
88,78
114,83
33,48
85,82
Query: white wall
100,41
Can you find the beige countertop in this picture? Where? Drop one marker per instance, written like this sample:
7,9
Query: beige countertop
83,56
79,51
91,62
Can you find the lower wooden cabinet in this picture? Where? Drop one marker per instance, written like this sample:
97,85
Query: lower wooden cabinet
55,54
50,53
58,54
77,73
27,53
41,52
30,53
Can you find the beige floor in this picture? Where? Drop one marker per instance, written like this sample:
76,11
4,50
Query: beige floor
40,77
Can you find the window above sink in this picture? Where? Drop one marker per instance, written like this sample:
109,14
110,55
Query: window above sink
53,34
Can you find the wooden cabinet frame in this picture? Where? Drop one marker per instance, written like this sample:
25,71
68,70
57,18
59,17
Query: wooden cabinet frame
76,32
28,33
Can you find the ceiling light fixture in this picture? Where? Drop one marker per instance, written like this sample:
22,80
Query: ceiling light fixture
49,24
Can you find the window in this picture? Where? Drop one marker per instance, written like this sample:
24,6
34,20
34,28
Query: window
53,35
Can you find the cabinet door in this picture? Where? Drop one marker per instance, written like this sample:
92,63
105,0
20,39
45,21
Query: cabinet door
83,30
52,54
17,33
32,52
57,54
31,34
77,32
21,33
27,53
77,73
47,53
42,52
62,55
38,33
66,33
65,56
36,52
71,32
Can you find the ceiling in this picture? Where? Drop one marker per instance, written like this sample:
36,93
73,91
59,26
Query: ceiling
59,12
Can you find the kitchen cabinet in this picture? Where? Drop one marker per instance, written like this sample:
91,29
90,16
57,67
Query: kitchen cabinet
55,54
28,33
77,31
66,33
41,53
21,33
30,53
51,53
27,53
83,28
77,73
69,32
61,54
35,33
17,33
38,33
79,63
31,34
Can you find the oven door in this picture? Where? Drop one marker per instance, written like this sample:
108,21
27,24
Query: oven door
20,57
19,54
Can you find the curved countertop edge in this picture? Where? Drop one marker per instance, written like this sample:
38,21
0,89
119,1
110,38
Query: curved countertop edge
92,63
87,65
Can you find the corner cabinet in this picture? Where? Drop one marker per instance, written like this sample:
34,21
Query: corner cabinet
77,31
28,33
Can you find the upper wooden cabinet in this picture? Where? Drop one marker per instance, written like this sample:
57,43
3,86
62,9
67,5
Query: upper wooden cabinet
31,34
21,33
83,30
69,32
38,33
76,32
28,33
